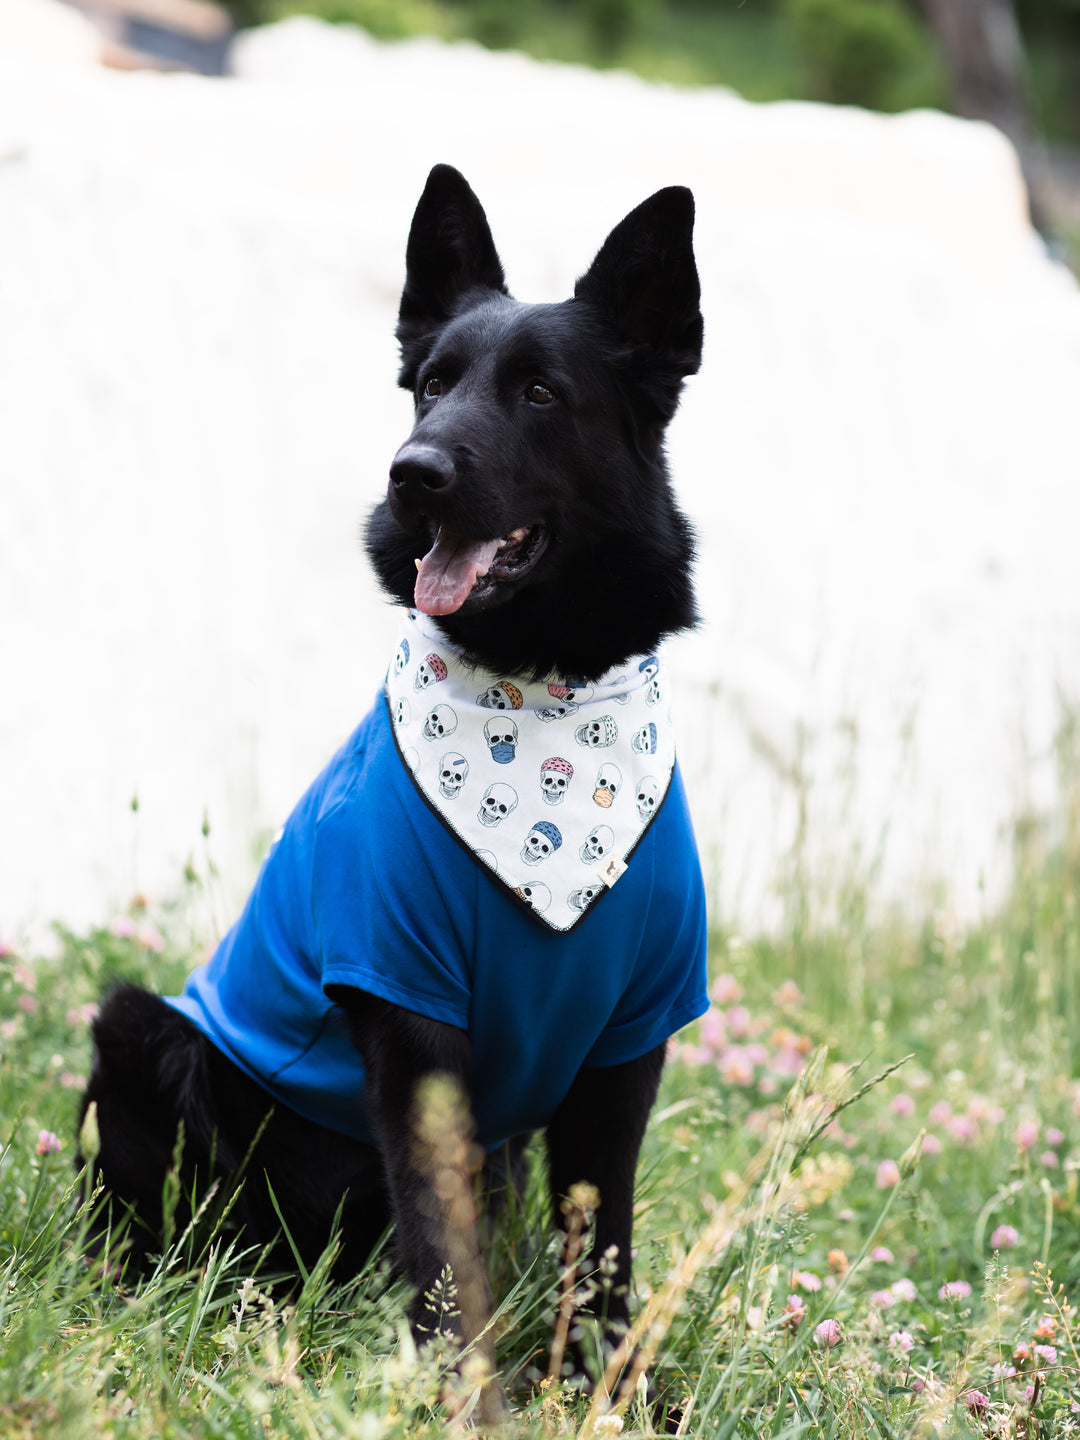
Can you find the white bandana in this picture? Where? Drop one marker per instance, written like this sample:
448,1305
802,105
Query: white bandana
549,785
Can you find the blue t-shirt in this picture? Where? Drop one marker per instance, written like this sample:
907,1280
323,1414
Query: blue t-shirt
366,887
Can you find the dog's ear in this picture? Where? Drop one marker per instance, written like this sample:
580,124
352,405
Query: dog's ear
450,252
645,281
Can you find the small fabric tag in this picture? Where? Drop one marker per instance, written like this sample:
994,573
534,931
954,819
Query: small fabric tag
612,871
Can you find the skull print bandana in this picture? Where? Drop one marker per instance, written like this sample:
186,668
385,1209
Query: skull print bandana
550,785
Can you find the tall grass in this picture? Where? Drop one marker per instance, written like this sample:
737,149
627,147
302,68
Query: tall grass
858,1211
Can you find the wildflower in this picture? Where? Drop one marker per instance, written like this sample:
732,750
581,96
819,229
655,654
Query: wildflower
888,1174
70,1081
1004,1237
738,1019
931,1145
828,1334
903,1289
940,1112
995,1115
1021,1353
608,1425
882,1254
918,1385
902,1340
8,1029
1027,1132
28,1004
7,947
794,1311
882,1299
839,1264
151,937
788,994
975,1401
954,1290
1047,1353
712,1029
755,1317
806,1280
735,1066
1054,1136
964,1128
1045,1328
726,990
1049,1159
902,1105
1002,1371
47,1143
123,927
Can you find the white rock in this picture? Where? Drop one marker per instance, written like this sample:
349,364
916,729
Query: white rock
198,283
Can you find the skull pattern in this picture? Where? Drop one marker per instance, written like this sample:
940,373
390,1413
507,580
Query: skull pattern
402,712
581,899
401,657
597,844
597,734
541,841
503,696
498,802
644,741
453,772
538,896
441,722
555,777
608,782
429,672
648,794
502,739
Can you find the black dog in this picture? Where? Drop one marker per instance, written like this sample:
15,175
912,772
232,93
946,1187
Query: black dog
392,934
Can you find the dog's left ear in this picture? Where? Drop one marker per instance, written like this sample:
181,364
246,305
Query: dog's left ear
450,253
645,281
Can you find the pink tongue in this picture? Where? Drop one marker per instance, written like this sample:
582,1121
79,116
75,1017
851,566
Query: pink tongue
448,572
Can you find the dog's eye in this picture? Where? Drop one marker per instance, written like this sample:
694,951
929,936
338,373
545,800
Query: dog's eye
538,394
433,388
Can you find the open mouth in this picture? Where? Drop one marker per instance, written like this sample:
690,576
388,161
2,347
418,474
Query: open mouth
456,569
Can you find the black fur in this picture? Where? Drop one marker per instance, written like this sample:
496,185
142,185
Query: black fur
546,416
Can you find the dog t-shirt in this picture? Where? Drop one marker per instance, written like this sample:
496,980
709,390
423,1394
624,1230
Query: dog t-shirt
367,887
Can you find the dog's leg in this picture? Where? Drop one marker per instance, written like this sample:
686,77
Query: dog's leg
430,1196
595,1136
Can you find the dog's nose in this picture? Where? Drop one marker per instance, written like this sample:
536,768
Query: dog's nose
421,467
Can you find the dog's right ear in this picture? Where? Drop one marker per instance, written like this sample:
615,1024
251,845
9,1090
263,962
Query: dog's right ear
450,252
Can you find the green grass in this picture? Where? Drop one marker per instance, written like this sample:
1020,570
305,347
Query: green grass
768,1205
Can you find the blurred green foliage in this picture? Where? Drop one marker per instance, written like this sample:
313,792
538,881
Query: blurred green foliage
876,53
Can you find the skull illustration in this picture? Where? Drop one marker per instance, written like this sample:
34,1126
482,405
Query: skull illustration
653,693
622,694
573,693
649,668
489,859
498,802
597,844
648,794
453,771
430,671
608,781
402,712
538,896
401,657
555,777
542,840
643,741
559,711
502,739
440,723
503,696
581,899
597,734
